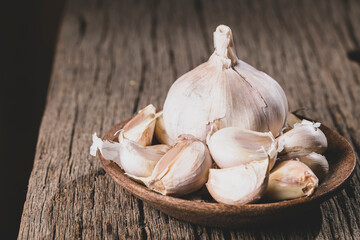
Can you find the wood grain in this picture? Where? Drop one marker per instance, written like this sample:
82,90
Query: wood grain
115,57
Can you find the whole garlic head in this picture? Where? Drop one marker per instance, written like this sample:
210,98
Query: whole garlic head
239,185
234,146
227,91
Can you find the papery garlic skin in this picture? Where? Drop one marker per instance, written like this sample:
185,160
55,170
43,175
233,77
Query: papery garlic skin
182,170
234,146
317,163
290,180
227,91
303,139
160,131
160,147
239,185
108,149
141,127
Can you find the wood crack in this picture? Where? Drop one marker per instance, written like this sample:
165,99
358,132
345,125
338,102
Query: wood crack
142,219
72,137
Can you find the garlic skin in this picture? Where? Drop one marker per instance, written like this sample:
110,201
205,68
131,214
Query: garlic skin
303,139
135,159
239,185
227,91
108,149
290,180
317,163
141,127
234,146
182,170
161,147
160,131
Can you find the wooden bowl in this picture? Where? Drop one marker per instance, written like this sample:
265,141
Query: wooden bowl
341,159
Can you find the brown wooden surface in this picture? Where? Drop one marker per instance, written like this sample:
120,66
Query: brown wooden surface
115,57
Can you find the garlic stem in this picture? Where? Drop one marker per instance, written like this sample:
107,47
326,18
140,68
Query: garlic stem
224,46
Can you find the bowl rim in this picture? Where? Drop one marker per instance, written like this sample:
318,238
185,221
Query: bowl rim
148,195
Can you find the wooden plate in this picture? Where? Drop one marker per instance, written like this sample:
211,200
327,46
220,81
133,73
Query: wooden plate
341,159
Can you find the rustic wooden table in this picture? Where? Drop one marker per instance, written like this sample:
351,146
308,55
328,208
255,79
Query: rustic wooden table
113,58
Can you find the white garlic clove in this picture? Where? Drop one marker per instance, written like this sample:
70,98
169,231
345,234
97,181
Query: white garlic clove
234,146
227,90
317,163
141,127
303,139
135,159
239,185
161,147
290,180
182,170
160,131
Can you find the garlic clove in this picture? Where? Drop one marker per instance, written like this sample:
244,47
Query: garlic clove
303,139
234,146
137,160
239,185
182,170
161,147
140,128
291,179
160,132
317,163
227,90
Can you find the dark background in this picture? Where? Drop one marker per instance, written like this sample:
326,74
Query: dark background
28,38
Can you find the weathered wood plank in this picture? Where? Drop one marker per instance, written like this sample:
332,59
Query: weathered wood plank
113,58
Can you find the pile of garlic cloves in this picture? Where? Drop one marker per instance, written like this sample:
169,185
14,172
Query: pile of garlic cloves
225,126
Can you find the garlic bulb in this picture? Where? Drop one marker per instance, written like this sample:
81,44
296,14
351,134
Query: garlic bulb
303,139
135,159
160,131
140,128
291,179
182,170
227,91
234,146
317,163
239,185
